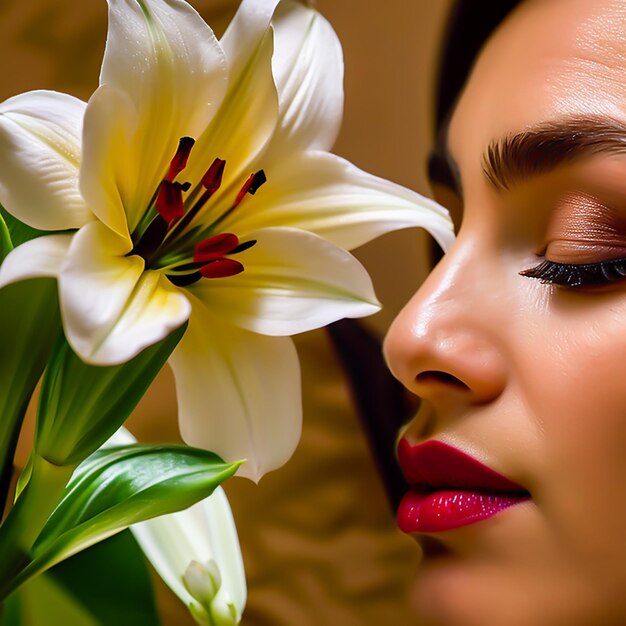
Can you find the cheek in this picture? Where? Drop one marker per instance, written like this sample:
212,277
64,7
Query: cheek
573,379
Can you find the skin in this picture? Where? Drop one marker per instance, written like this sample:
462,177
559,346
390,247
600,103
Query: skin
529,377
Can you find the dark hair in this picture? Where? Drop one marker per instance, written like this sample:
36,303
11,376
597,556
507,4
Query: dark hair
470,24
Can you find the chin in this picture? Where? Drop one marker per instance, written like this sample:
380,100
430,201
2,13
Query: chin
459,590
507,571
452,592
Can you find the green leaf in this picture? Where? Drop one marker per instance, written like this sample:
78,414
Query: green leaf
111,581
6,244
82,405
43,602
120,486
29,325
24,477
107,585
11,612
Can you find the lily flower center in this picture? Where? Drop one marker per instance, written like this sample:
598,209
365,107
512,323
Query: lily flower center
167,239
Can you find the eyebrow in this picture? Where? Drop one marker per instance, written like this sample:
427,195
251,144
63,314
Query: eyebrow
543,148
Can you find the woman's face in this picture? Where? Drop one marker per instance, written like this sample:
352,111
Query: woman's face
527,377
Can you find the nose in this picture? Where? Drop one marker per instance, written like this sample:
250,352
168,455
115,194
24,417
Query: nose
446,345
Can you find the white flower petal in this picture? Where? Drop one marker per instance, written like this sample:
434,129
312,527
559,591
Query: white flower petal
120,437
111,308
107,173
165,57
242,127
308,69
35,258
238,393
293,281
40,141
214,516
167,60
200,533
245,32
327,195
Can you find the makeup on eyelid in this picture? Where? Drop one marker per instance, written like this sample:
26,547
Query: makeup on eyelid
583,230
584,245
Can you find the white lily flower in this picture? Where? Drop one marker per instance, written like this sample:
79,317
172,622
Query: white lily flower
196,552
159,174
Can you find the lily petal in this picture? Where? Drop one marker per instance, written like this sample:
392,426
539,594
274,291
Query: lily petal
327,195
111,308
35,258
308,69
243,125
245,32
165,57
40,142
204,532
107,175
229,400
167,60
293,281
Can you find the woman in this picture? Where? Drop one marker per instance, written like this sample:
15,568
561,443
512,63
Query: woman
515,343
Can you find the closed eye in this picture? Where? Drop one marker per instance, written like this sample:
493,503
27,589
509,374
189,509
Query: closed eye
578,275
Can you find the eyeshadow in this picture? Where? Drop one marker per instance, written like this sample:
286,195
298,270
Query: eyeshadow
584,217
584,229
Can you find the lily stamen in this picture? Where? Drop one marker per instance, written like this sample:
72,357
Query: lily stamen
179,162
209,260
203,256
221,268
215,247
242,247
169,201
177,165
218,268
171,218
211,182
251,186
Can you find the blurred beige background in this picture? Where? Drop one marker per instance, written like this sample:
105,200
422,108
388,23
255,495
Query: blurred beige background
319,540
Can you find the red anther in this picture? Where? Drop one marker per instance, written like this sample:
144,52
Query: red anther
221,268
169,202
250,186
258,178
215,247
179,162
212,180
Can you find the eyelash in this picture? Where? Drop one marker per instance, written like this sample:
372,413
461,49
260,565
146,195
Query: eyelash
578,276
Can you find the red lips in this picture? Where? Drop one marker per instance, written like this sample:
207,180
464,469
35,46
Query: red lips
450,489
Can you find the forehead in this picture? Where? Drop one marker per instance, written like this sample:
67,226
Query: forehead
551,59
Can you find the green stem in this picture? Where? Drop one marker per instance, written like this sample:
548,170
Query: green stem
29,515
11,424
6,245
